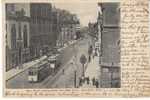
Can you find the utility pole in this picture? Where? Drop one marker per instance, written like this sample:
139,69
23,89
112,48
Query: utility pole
75,66
83,60
75,75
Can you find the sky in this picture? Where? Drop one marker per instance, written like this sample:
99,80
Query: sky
86,12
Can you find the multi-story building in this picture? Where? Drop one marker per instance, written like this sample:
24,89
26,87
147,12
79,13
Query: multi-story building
17,35
33,29
30,32
66,25
41,29
93,32
77,28
109,40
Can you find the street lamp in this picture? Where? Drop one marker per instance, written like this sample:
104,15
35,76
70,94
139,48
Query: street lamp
75,65
75,74
83,60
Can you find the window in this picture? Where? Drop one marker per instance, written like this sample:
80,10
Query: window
25,36
106,70
13,36
12,7
118,42
19,31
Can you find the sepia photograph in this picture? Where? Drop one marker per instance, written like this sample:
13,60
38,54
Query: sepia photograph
62,45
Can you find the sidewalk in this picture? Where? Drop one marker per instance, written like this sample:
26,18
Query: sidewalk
15,71
65,45
93,70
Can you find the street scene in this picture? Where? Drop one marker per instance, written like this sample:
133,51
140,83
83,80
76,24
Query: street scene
60,45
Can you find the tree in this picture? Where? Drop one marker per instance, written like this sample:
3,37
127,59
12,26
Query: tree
83,60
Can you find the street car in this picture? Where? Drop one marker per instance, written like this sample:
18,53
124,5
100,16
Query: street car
39,72
55,62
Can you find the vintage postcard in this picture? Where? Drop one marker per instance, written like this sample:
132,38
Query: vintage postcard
76,48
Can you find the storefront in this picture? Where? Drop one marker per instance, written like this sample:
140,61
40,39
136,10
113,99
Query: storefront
110,76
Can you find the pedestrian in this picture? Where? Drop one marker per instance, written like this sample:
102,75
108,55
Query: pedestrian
95,51
96,83
93,54
88,80
93,81
63,71
89,58
80,82
90,51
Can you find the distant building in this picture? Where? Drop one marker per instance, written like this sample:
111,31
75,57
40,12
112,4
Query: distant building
109,40
75,27
66,26
93,32
17,35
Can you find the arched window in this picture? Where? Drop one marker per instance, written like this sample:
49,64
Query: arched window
13,36
25,36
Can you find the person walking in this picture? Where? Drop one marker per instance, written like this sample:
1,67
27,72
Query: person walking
93,81
89,58
80,82
88,80
96,83
63,71
90,51
93,53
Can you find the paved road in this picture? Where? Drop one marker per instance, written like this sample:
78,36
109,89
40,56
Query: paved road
59,80
67,79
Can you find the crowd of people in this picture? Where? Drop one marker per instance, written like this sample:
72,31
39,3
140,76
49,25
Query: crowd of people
88,81
92,52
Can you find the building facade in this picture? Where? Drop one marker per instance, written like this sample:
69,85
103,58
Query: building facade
109,40
42,37
66,26
93,32
17,35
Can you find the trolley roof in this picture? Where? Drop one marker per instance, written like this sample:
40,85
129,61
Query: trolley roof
40,62
53,57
